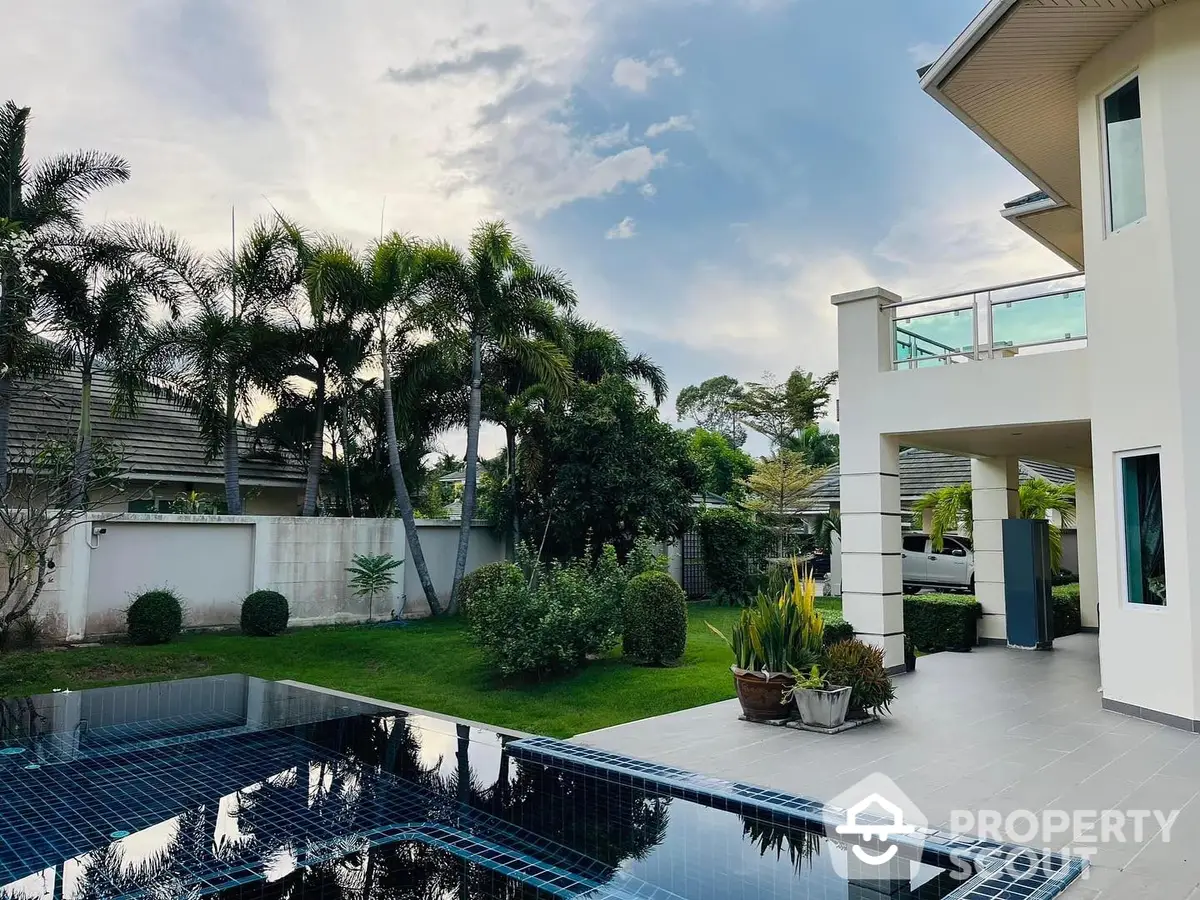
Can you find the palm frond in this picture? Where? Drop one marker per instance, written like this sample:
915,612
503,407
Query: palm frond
642,368
58,185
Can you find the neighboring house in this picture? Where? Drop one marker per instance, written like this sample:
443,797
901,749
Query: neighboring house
923,471
1095,103
161,449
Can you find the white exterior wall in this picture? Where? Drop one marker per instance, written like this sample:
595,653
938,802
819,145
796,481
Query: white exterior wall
1144,323
214,561
439,544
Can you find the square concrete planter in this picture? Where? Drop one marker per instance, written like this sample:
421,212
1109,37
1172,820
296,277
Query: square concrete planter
823,709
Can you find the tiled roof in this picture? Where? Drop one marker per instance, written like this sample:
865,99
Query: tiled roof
922,471
163,442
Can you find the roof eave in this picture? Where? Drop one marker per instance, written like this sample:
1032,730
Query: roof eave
1017,216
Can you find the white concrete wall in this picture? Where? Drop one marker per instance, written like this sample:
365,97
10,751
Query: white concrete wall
439,544
213,562
1144,323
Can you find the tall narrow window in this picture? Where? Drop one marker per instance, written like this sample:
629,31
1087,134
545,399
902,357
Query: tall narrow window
1141,495
1123,143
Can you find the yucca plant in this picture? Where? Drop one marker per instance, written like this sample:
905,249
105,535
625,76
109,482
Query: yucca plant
776,635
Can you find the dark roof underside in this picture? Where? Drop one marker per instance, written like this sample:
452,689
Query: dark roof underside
162,443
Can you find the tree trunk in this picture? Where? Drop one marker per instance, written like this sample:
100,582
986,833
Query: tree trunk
514,535
316,454
468,502
6,395
233,488
346,462
81,471
403,500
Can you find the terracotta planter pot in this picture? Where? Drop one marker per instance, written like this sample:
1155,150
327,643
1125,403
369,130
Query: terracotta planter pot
762,698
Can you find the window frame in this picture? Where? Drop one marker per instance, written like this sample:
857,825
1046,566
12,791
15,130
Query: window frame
1106,169
1123,532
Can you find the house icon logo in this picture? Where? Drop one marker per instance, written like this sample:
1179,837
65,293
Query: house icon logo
876,833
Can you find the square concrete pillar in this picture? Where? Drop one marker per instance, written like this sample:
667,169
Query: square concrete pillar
872,595
995,483
1085,536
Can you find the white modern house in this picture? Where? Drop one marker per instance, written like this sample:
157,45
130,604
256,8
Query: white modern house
1098,104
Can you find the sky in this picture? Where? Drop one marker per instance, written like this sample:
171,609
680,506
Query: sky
707,172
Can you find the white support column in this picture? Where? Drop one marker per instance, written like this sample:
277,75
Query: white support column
1085,535
872,589
994,498
872,596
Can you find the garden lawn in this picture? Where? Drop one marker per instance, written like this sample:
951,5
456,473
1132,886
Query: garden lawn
430,665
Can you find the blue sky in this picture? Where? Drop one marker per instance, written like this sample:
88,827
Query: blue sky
707,173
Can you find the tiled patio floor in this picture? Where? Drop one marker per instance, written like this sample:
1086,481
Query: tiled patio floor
994,729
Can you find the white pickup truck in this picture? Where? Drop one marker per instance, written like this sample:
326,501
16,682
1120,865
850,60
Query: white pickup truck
950,569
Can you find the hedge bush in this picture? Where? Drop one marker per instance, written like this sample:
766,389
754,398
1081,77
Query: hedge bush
484,580
265,614
154,617
837,629
732,544
1067,618
546,619
655,618
937,622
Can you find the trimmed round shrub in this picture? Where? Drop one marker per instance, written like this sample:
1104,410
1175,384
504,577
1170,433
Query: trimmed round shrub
656,618
154,617
264,614
484,580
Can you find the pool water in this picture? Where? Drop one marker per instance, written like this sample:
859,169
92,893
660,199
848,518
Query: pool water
233,787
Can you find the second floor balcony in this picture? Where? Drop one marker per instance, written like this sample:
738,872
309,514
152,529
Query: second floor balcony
1020,318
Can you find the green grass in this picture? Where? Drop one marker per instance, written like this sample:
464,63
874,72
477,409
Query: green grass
431,665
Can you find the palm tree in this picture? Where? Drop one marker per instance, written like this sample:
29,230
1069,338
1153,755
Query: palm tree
35,201
596,352
233,346
951,512
100,301
331,338
504,302
393,279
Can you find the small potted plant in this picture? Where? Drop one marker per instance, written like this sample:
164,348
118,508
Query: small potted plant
769,638
818,702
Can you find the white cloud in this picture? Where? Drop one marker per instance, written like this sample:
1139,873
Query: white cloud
617,137
622,231
924,53
636,74
457,110
675,123
648,189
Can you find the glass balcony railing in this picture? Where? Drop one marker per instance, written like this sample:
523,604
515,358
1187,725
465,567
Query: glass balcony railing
994,322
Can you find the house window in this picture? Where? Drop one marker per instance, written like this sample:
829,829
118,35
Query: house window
1141,512
1123,155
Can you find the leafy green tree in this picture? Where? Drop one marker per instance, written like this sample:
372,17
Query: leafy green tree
723,467
780,487
951,511
504,301
596,352
330,334
37,202
609,472
233,346
779,409
99,302
819,448
712,404
394,278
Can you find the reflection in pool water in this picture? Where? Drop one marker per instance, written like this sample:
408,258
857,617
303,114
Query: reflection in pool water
261,792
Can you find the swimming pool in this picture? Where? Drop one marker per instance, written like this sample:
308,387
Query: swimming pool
234,787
